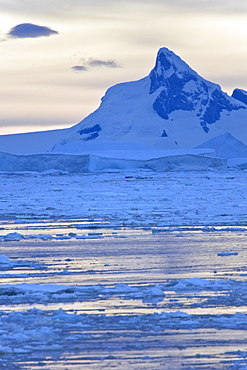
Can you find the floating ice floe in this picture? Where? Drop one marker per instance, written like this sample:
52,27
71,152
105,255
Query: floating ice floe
225,254
46,237
26,332
53,293
95,236
5,261
13,237
7,264
40,236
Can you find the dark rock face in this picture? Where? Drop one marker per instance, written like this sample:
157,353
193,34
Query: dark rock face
164,134
240,95
216,104
90,133
172,97
181,88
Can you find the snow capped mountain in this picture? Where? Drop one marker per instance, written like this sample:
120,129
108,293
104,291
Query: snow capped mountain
172,108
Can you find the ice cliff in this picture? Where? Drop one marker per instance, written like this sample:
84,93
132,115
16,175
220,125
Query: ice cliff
71,164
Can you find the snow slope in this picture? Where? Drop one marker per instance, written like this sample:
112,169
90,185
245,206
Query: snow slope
172,108
226,146
33,142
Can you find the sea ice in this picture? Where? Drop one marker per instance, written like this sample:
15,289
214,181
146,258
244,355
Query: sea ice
225,254
4,260
13,237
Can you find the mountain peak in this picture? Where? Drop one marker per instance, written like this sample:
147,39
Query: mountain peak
167,60
169,64
179,87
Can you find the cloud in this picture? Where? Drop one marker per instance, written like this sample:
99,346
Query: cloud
110,63
222,6
79,68
75,8
29,30
92,63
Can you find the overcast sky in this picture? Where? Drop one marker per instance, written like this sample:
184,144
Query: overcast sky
59,56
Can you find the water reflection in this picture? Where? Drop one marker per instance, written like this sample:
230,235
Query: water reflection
139,258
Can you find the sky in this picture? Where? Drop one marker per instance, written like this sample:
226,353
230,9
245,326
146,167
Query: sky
58,57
